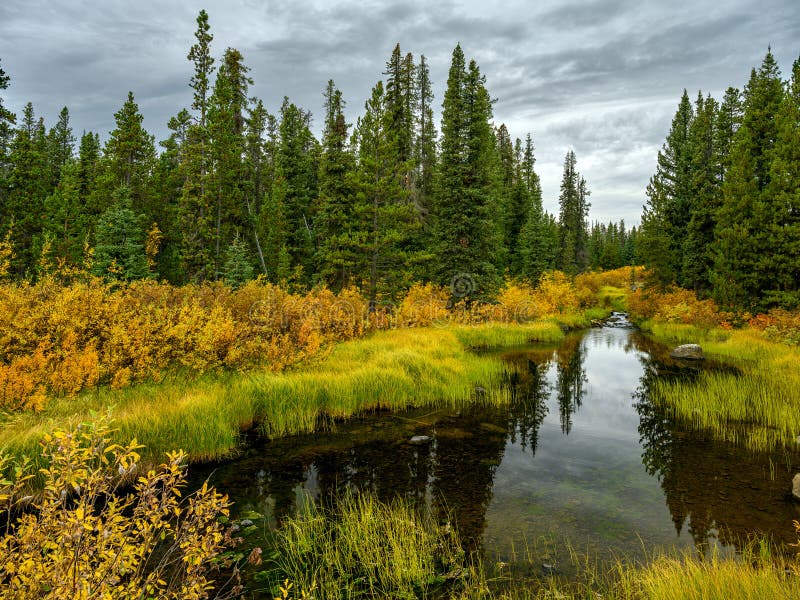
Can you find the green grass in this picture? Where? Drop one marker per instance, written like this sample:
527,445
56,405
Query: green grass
207,415
759,407
366,549
493,335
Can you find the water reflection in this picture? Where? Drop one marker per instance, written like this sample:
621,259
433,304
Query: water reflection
579,450
718,491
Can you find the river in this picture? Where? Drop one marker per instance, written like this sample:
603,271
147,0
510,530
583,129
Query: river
579,457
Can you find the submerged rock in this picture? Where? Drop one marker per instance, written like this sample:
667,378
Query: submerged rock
688,351
420,439
796,487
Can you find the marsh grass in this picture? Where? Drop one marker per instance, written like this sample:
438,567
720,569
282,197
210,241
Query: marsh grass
760,407
207,415
492,336
368,549
363,548
754,574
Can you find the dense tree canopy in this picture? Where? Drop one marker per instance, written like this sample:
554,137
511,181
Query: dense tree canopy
722,210
236,192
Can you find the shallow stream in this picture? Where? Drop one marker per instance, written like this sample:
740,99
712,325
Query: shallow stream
579,457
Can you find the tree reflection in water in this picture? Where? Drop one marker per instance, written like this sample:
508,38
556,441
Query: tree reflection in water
719,491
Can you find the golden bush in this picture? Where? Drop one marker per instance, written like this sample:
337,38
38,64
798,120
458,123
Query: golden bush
85,536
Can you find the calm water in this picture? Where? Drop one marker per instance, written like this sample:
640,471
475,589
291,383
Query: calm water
580,456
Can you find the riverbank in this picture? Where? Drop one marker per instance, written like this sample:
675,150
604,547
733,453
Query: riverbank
758,405
206,416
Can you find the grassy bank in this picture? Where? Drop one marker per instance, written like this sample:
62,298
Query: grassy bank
759,407
205,416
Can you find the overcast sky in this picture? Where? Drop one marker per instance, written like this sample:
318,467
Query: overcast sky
600,77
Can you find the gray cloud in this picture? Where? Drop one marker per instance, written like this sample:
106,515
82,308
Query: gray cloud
601,77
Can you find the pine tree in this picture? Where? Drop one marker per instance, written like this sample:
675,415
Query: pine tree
464,228
119,252
666,213
781,212
740,236
336,256
129,157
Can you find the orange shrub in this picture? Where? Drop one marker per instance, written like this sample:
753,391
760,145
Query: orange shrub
676,306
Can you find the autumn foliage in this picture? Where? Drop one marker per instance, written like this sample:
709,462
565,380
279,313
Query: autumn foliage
58,340
84,536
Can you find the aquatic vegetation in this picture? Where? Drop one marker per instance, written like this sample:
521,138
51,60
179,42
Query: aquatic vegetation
759,406
713,578
491,336
367,549
85,536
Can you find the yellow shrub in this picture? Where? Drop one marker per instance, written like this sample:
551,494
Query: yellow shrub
82,538
557,293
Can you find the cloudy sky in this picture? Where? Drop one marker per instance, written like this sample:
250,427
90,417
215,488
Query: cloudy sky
600,77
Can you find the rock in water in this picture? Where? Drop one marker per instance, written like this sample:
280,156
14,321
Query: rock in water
688,351
420,439
796,487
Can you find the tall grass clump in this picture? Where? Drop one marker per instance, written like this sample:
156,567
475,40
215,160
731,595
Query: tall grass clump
751,577
363,548
758,406
493,335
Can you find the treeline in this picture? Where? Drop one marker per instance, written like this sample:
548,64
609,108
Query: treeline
237,192
723,211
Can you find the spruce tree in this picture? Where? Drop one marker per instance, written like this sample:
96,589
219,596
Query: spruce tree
666,213
257,166
384,217
336,255
781,204
119,252
129,157
29,185
296,166
704,197
537,242
425,148
60,146
740,236
573,251
64,221
464,228
195,211
7,120
226,128
237,267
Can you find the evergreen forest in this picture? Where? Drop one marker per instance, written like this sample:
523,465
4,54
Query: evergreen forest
235,193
